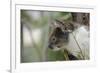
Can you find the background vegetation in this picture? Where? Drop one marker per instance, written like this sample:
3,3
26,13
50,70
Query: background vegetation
35,32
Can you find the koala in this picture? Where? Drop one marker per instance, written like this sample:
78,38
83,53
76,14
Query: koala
60,34
72,37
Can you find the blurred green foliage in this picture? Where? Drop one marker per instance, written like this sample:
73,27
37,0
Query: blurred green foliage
55,55
40,52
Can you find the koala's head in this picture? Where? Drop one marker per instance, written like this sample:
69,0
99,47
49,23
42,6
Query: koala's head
59,36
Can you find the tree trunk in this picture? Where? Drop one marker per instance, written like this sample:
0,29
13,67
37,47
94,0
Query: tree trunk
81,18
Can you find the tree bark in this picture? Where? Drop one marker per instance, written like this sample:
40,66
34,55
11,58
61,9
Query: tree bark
81,18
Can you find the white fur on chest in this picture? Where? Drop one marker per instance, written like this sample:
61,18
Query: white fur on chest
79,37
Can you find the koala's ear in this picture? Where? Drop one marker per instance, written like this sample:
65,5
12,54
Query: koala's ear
52,25
59,23
56,23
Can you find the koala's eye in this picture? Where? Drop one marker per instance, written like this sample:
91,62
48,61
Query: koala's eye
53,38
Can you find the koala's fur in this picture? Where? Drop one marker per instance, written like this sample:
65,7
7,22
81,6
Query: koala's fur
76,42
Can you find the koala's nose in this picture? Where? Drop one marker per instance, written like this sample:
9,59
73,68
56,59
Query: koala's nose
50,46
66,35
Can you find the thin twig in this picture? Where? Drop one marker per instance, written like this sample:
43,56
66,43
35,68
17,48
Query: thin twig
78,46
